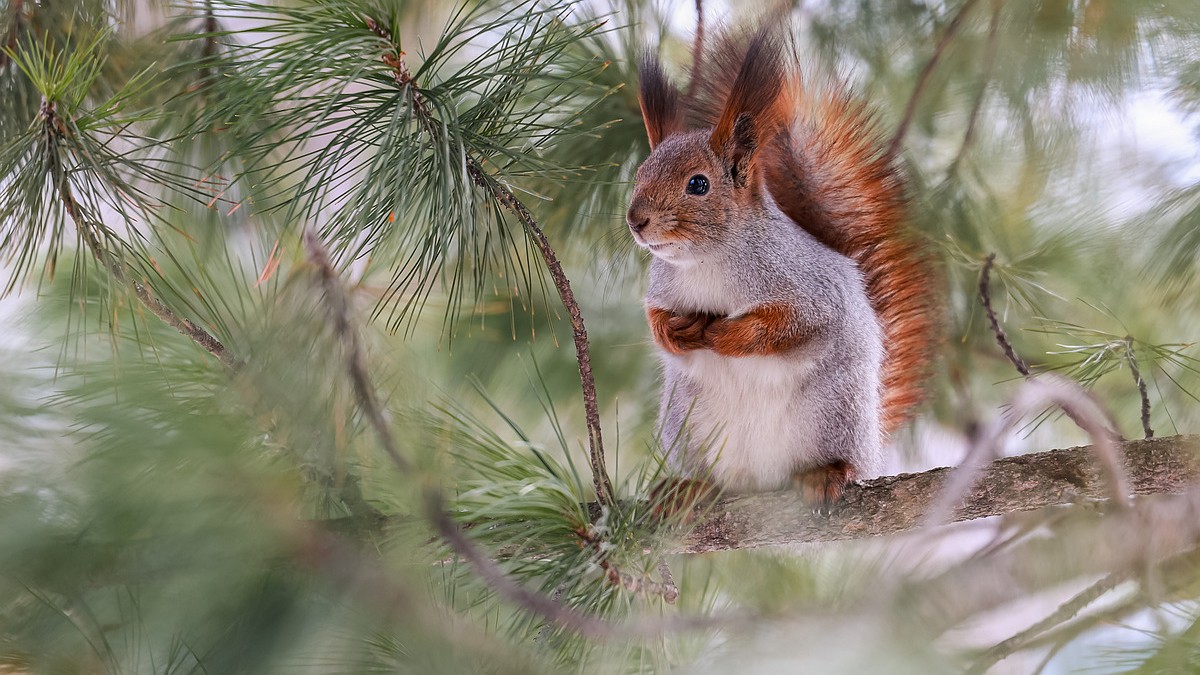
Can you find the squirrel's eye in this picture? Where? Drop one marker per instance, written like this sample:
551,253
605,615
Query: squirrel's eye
697,185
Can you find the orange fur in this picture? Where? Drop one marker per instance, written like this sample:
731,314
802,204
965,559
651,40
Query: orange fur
766,329
678,333
823,486
827,168
681,498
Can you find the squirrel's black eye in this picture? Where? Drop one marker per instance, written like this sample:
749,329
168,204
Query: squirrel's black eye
697,185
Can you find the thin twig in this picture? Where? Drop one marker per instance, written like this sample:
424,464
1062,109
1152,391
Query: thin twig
90,232
989,63
923,79
634,583
16,8
436,510
986,297
697,52
403,78
1064,613
1002,339
208,50
1131,358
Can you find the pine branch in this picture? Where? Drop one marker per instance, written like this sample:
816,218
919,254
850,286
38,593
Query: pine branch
900,503
989,63
985,297
1065,612
404,79
90,232
910,109
1131,358
436,510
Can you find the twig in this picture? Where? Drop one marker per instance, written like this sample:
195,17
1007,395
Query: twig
436,510
208,49
1002,339
403,78
1131,358
90,232
17,9
986,297
697,52
1064,613
923,79
989,63
639,583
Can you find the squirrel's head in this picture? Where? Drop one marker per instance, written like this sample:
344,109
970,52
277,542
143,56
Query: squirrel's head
698,189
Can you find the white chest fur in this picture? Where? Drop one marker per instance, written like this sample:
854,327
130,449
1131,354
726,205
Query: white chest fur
746,413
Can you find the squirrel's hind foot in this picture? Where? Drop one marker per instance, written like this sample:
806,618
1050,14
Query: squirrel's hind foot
682,499
822,487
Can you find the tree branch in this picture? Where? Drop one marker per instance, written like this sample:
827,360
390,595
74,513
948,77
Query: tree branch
989,63
923,79
899,503
403,78
90,232
985,297
436,510
697,54
1131,357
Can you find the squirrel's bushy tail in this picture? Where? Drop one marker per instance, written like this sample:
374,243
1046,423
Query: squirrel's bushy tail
829,171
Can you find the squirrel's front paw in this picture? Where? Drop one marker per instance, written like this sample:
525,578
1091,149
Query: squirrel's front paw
678,333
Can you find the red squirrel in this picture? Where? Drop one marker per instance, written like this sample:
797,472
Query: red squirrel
794,310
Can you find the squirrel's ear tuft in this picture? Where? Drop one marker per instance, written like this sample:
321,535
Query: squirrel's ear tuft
659,101
756,107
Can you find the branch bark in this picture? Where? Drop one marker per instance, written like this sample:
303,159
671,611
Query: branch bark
898,503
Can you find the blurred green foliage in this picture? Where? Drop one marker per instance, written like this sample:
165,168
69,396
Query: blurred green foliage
159,513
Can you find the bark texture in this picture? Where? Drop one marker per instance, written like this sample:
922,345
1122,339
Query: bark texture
897,503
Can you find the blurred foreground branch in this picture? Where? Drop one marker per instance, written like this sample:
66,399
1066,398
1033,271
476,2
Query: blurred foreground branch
898,503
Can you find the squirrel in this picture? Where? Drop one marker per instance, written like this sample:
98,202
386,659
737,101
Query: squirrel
794,309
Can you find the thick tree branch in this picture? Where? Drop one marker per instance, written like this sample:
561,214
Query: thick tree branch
899,503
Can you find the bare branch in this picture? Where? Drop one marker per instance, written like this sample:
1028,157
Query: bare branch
1064,613
1034,394
986,297
600,480
899,503
923,79
989,63
1131,358
91,231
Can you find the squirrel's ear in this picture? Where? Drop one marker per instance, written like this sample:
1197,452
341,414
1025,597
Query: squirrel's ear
659,101
755,108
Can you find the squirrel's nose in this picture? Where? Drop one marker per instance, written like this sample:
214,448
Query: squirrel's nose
637,221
